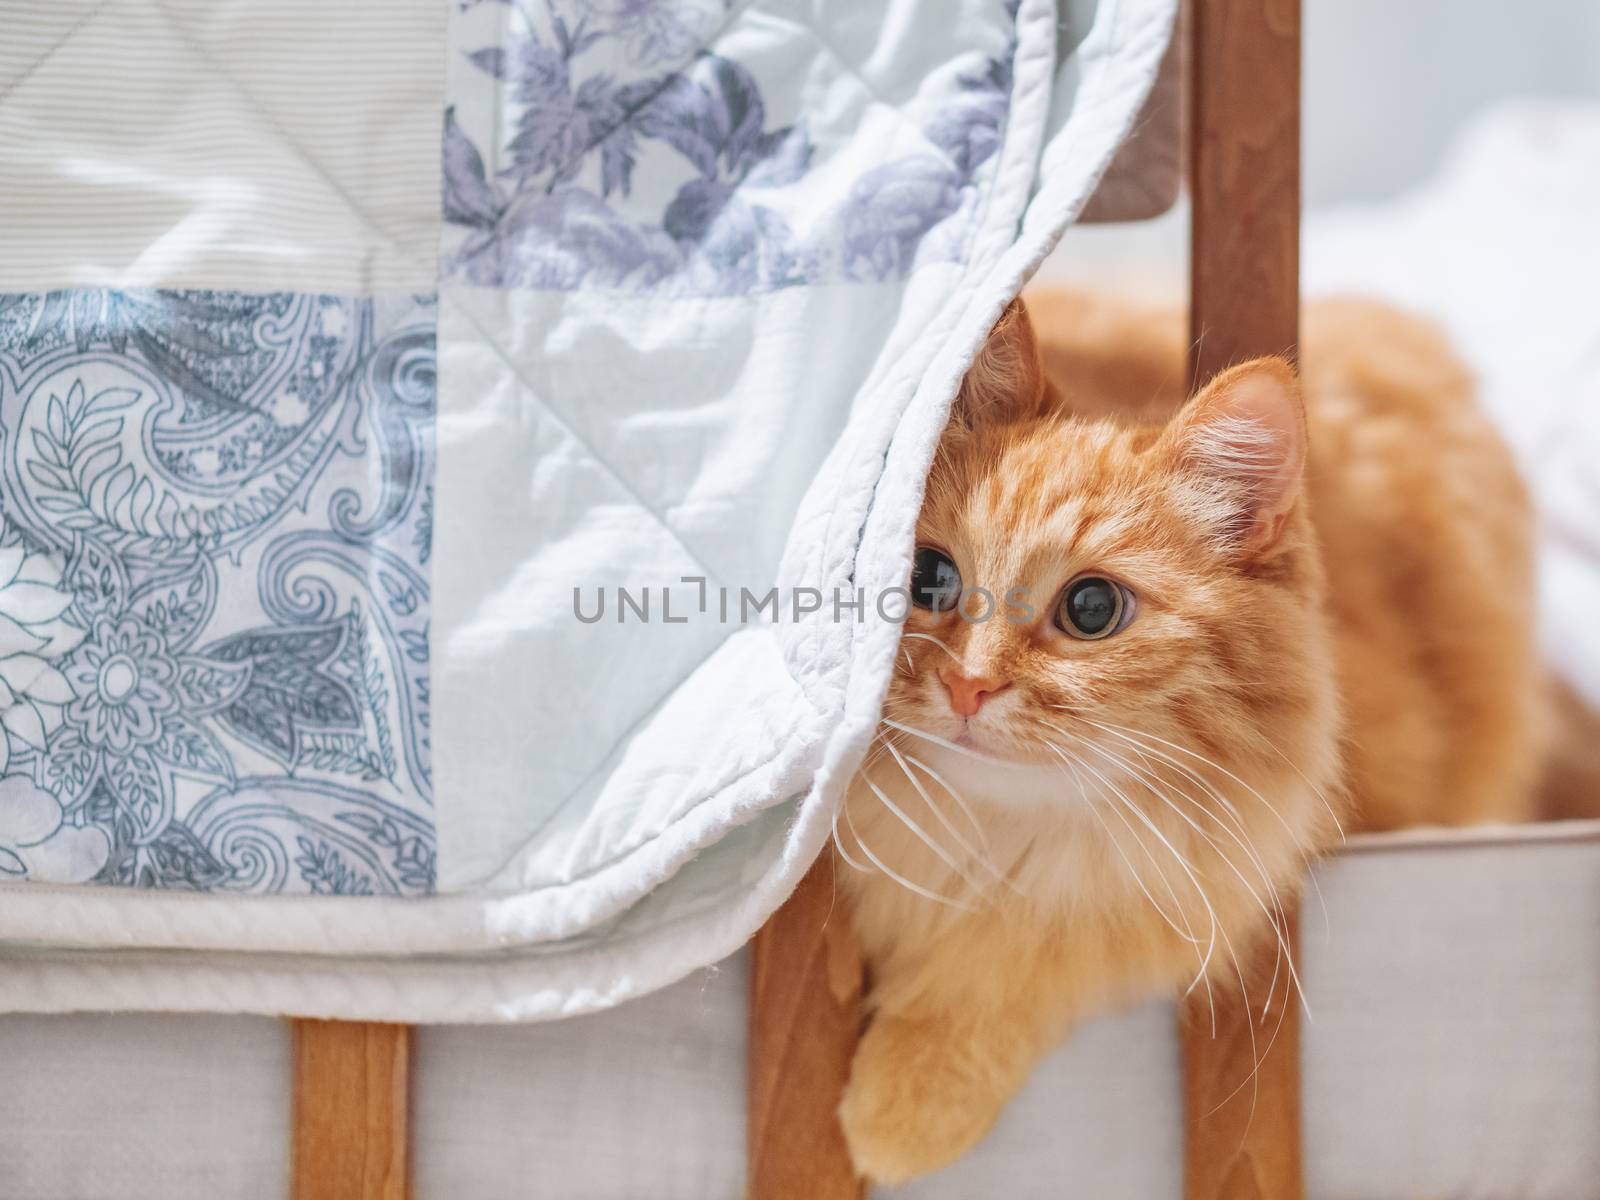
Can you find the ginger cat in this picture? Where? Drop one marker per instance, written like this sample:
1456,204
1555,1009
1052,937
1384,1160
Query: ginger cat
1218,631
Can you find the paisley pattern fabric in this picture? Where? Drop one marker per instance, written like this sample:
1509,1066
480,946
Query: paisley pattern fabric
215,524
625,152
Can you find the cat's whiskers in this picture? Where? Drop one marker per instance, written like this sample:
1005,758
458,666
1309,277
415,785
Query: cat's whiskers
1200,975
1183,865
1133,738
1272,907
879,748
1315,790
1072,762
891,873
922,835
946,743
1158,788
1322,797
1138,880
977,825
884,745
1131,734
1157,785
928,637
1274,911
1279,919
1283,954
880,743
1146,751
1186,933
838,842
971,852
1141,740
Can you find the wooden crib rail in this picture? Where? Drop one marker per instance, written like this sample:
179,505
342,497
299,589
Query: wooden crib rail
805,985
350,1138
1243,1142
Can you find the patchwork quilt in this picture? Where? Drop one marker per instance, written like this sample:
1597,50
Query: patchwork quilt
453,458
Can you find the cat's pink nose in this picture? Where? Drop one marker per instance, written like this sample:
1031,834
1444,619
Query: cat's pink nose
968,692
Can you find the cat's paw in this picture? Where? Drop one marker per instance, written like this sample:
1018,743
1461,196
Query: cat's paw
914,1103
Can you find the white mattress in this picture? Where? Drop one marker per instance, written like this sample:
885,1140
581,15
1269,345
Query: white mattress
1452,1051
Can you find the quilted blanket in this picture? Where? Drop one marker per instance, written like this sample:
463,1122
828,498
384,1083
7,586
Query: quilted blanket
454,455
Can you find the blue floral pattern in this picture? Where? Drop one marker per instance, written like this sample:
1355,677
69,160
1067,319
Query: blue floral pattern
627,155
215,522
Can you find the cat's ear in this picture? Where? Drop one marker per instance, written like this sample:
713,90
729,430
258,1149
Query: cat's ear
1006,382
1241,444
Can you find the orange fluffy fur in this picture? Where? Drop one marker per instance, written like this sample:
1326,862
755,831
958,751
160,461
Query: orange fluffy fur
1332,624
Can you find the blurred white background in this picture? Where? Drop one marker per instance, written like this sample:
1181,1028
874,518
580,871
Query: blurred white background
1390,83
1389,87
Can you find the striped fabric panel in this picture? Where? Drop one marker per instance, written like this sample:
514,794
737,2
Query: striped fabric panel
256,144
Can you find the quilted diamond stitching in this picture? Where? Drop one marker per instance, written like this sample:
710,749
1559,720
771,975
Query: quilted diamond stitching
583,443
53,49
275,128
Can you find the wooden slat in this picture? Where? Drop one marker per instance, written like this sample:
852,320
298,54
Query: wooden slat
1243,1143
805,991
1242,1121
351,1111
1244,146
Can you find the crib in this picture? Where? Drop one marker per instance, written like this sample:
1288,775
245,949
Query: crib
1454,978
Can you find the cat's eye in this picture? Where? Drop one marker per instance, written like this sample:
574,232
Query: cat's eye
935,581
1093,607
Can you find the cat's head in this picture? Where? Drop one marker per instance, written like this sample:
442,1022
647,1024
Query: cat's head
1126,590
